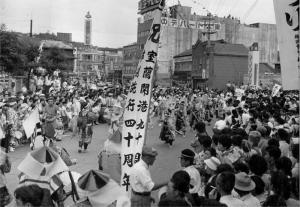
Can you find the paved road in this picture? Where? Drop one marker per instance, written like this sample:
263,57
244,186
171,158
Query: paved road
166,164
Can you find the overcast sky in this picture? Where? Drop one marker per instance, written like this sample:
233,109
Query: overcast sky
114,22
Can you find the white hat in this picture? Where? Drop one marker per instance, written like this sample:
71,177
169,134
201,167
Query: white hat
220,125
212,163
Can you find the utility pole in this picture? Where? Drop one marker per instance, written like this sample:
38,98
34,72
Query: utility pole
103,65
30,33
209,48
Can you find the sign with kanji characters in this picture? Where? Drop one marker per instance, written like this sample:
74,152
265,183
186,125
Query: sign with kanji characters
287,22
138,102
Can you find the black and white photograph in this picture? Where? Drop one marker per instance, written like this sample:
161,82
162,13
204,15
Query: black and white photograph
149,103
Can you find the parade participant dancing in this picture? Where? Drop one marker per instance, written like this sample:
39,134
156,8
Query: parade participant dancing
167,133
85,124
50,113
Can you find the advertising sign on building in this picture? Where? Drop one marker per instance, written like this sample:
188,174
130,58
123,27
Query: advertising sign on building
183,23
137,103
287,21
253,67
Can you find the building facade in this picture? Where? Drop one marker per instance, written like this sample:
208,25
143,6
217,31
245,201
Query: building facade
105,63
130,62
182,75
65,37
181,29
215,65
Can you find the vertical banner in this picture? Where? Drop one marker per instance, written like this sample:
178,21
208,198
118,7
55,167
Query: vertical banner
253,68
287,21
138,101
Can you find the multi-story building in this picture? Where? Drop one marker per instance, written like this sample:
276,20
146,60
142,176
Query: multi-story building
65,37
105,63
181,29
113,64
89,60
130,61
215,64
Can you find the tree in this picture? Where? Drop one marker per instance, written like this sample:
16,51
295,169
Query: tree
56,58
12,57
17,52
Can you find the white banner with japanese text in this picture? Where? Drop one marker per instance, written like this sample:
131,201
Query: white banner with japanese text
253,68
287,21
138,101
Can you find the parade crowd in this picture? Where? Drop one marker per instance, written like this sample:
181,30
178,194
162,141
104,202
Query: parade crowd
251,159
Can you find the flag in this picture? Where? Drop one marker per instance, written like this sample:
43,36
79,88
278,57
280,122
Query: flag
30,123
138,102
287,21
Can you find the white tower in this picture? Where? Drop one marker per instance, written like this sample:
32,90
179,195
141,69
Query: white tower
88,29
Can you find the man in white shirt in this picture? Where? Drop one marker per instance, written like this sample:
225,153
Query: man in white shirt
225,183
186,161
140,179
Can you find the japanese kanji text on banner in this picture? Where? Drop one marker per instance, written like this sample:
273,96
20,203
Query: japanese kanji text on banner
138,101
287,21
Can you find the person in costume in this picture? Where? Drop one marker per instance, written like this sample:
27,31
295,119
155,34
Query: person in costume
50,115
180,119
42,167
85,124
167,133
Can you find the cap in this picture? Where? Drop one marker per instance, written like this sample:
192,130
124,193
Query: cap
187,153
149,151
243,182
212,163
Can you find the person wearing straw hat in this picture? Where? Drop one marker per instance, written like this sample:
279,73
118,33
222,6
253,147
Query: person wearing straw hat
186,161
225,183
97,189
244,185
140,179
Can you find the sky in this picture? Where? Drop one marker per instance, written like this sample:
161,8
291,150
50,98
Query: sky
114,22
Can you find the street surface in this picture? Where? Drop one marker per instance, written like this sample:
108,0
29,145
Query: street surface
167,161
